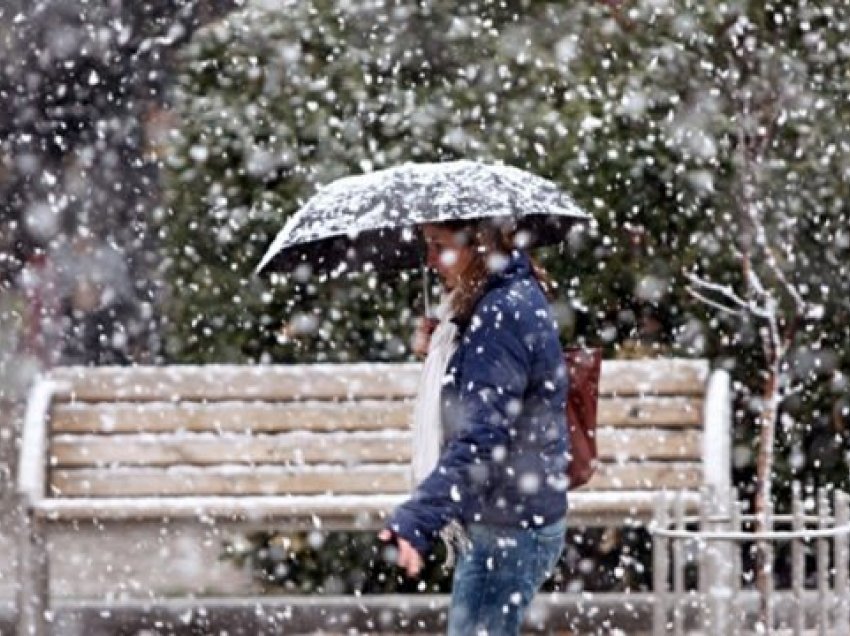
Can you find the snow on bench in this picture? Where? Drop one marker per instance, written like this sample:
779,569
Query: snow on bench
319,445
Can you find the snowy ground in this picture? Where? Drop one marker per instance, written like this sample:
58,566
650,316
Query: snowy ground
303,615
135,562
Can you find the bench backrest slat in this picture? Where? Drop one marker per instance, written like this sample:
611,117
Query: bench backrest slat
302,449
317,429
215,383
333,381
209,449
232,416
270,417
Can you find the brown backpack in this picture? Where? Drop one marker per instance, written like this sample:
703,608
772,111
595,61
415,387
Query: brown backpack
583,366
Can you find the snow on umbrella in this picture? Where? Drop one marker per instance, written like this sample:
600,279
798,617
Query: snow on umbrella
372,218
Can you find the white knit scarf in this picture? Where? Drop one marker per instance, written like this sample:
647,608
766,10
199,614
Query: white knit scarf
427,427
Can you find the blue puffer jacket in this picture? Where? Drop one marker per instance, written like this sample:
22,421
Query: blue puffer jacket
503,401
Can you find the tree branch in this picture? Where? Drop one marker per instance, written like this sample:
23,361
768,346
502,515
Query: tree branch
724,290
616,7
712,303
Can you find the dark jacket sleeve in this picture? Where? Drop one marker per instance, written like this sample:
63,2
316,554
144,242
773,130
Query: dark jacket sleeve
494,373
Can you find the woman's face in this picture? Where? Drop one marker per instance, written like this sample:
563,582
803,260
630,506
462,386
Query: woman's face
448,253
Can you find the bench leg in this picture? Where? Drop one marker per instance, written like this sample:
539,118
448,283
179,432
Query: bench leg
34,581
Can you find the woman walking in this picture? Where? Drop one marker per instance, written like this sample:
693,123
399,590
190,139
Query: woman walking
490,445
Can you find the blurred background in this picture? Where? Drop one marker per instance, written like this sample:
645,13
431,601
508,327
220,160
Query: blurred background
150,150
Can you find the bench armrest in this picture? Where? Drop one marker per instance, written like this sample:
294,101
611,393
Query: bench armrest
717,438
31,468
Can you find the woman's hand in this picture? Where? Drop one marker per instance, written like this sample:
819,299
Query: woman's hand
408,558
421,339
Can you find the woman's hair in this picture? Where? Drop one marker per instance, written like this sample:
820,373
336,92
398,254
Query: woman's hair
488,240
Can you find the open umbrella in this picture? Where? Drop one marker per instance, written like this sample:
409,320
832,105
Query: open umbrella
372,218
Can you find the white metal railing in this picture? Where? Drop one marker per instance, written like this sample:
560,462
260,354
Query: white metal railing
710,546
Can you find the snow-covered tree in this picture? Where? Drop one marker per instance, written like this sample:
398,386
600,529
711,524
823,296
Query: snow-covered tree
81,84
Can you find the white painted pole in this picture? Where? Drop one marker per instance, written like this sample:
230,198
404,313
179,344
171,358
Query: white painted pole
705,573
735,620
769,565
798,561
842,563
823,563
720,563
659,568
679,597
426,292
717,435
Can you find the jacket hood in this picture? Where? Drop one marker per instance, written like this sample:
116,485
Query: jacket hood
518,265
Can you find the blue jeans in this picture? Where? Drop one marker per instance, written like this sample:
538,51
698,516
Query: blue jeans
496,578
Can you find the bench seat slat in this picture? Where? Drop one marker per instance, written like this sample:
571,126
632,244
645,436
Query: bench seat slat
583,505
271,480
351,449
229,480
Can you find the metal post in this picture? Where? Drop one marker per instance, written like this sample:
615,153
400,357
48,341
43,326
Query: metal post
34,586
704,574
823,563
735,624
679,596
720,555
842,563
798,561
768,565
659,568
426,291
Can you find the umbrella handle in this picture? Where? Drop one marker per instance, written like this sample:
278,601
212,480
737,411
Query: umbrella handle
425,286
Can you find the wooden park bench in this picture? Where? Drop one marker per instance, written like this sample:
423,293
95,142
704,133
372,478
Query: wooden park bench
306,446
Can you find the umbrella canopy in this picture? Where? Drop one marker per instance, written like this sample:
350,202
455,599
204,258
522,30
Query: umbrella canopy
372,218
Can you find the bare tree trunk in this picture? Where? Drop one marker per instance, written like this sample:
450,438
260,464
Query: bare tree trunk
764,469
